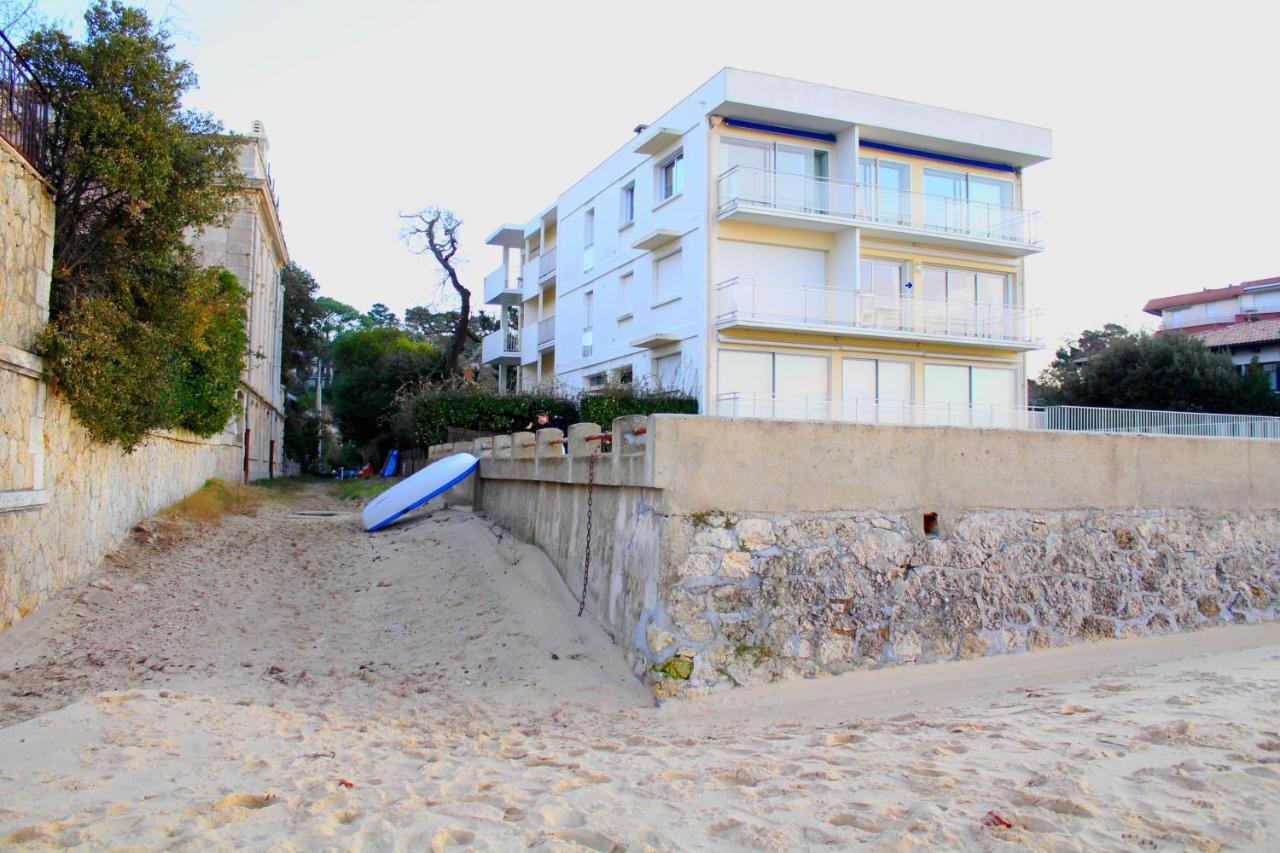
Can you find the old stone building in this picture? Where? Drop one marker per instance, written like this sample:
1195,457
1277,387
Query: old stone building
251,245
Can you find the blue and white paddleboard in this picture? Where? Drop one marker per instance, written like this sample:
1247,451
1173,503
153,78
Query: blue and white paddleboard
414,491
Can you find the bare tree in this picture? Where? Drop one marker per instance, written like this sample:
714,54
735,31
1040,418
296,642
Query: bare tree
435,230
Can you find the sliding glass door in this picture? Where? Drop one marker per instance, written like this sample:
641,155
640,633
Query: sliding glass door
774,174
885,191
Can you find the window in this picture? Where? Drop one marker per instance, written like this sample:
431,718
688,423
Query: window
886,190
625,375
667,274
589,239
767,384
589,304
964,395
966,303
627,214
670,181
876,390
666,371
974,204
596,380
773,174
625,288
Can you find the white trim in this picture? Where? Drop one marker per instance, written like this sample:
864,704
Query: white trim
11,501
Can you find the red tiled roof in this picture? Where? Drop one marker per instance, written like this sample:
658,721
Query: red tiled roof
1260,331
1214,294
1155,306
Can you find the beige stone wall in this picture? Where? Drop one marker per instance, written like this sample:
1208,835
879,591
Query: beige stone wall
96,494
730,552
64,499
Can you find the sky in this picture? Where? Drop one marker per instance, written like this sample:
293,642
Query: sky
494,108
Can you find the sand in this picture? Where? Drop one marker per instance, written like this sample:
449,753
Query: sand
288,681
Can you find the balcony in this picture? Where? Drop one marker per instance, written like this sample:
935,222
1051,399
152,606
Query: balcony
748,303
804,201
499,289
1056,418
547,266
819,408
546,333
501,347
24,108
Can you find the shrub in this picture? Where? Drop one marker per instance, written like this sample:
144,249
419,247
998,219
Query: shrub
424,414
434,410
616,401
177,366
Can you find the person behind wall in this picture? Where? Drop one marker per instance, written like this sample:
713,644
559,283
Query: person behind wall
542,420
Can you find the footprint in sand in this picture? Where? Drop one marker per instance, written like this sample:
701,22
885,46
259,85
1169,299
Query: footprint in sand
590,839
561,818
843,739
856,821
451,837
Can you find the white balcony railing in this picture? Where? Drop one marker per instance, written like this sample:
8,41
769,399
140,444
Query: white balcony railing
547,264
546,332
500,345
498,284
1057,418
868,204
745,300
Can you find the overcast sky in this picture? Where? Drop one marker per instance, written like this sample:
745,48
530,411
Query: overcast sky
1165,123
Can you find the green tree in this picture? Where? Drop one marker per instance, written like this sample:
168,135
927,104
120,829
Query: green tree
370,366
336,317
1254,396
132,172
1114,368
382,316
302,336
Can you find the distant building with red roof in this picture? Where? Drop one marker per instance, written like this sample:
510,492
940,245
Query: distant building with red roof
1242,319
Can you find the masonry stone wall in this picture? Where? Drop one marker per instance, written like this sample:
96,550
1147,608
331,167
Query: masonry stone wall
720,559
65,500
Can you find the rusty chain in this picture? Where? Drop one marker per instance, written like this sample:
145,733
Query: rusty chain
586,556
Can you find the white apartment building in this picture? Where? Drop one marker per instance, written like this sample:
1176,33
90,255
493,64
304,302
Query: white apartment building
781,248
251,245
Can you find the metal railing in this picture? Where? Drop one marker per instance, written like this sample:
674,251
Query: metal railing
546,331
24,108
1053,418
746,186
748,300
1156,422
547,263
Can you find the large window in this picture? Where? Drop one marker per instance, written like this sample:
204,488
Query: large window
773,384
667,278
967,395
880,290
670,177
775,174
876,390
974,204
966,303
885,191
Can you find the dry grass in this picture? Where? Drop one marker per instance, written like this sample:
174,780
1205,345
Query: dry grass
215,499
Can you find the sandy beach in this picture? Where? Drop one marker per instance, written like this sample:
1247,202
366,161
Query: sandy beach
288,681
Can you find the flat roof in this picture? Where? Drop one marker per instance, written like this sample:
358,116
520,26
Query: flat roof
830,109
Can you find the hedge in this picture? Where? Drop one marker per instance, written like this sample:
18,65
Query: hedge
434,411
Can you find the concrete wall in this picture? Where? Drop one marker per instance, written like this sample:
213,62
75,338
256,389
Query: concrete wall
64,499
735,551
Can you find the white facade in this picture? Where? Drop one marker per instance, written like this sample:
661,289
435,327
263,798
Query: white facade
742,221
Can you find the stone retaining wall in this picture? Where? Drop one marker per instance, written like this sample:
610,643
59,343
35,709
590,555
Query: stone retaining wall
64,499
715,570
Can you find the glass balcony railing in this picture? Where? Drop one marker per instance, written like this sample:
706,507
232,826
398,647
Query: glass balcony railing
747,188
744,300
